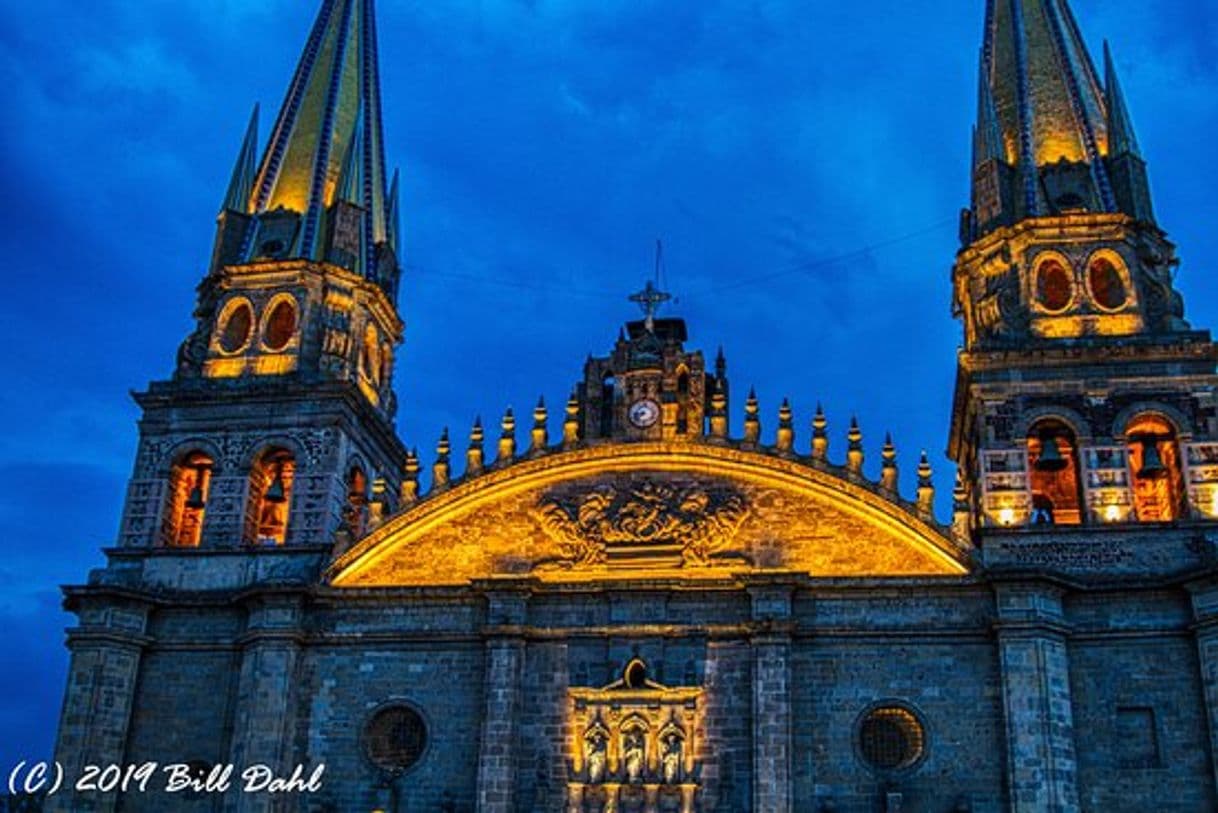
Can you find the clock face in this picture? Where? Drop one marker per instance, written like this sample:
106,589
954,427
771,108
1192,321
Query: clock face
644,413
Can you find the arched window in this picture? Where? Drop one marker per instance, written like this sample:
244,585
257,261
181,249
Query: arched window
1053,474
235,326
280,325
189,487
357,499
271,480
608,399
1154,465
1106,282
1054,285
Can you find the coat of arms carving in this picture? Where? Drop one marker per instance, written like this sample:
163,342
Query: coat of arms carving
642,521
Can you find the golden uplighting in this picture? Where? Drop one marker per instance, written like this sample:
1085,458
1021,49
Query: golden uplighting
789,517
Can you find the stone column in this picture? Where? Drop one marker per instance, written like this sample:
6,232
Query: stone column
1205,610
264,722
507,611
1042,773
102,678
771,643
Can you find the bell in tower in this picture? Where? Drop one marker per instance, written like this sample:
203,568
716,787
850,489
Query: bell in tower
285,383
1079,377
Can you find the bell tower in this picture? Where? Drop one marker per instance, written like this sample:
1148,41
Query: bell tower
650,387
1083,398
277,424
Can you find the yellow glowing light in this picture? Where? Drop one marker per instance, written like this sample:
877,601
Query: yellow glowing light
1112,513
1006,516
1214,504
487,526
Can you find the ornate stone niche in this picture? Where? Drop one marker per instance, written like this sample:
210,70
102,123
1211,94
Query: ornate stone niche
633,746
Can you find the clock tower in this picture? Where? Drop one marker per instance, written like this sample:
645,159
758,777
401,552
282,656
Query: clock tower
649,387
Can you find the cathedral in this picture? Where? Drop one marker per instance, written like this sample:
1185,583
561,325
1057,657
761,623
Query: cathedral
643,611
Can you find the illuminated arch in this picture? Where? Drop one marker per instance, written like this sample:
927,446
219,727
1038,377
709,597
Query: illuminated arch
1074,420
187,495
802,519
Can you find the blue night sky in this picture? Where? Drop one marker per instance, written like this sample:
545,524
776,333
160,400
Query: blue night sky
803,162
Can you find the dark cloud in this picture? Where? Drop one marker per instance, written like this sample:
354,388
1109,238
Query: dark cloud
803,162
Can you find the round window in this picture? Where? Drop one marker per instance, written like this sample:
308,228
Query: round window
891,738
395,738
1054,288
280,326
235,326
1107,285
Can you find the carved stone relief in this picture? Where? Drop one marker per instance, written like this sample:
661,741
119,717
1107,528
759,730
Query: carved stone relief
600,523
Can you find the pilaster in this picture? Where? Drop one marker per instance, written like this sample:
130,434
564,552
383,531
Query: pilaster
507,610
266,694
771,642
1205,611
1042,772
102,677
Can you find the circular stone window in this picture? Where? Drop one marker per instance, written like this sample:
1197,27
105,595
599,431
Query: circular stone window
1054,286
1107,285
891,738
236,323
280,326
395,738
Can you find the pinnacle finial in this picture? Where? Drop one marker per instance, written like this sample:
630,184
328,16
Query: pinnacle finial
820,435
720,364
752,419
1122,140
570,424
785,439
410,479
718,412
473,456
380,505
926,488
539,435
961,512
854,450
507,439
441,471
393,216
888,468
241,186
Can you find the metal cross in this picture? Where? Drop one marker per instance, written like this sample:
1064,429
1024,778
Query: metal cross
650,299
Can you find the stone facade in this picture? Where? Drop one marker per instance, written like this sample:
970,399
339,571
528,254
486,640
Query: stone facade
648,615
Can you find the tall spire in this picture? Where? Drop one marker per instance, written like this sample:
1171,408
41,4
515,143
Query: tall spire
1121,137
1044,119
393,218
241,186
327,148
